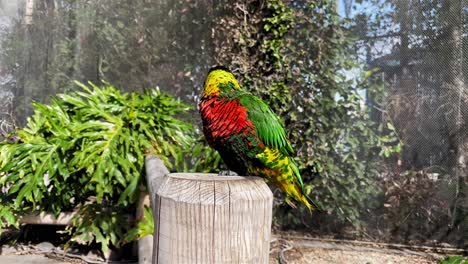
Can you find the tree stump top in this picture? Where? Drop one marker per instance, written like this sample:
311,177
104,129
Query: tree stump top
208,218
209,177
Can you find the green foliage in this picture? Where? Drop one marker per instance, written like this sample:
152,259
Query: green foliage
203,158
307,72
276,24
454,260
7,217
85,151
144,227
94,223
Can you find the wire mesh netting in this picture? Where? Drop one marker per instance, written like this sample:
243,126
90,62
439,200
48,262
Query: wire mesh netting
422,60
416,49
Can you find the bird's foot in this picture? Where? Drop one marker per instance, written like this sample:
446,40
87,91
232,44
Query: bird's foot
227,173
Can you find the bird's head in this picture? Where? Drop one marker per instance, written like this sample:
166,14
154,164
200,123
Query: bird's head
217,78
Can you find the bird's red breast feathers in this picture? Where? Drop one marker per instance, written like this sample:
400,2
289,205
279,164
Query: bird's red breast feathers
224,118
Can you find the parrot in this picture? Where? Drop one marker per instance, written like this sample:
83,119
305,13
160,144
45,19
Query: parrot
248,135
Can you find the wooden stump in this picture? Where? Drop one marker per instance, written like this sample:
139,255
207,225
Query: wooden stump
206,218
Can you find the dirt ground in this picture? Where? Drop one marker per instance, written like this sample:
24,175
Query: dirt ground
318,251
319,256
284,250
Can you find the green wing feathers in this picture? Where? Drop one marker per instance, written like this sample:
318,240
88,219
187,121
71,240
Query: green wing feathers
279,167
268,126
295,170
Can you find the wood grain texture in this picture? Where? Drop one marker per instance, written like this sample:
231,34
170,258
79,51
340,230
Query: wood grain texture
155,172
206,218
145,244
43,218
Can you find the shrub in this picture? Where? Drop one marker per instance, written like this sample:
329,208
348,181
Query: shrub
85,152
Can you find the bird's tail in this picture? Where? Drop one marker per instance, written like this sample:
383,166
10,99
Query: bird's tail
306,200
298,192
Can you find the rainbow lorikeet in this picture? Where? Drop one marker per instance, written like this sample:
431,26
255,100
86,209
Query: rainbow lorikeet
248,135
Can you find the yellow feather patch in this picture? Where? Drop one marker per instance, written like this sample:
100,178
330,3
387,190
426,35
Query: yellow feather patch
216,77
274,156
278,171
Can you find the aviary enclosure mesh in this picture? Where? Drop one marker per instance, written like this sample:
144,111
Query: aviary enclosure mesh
418,47
423,68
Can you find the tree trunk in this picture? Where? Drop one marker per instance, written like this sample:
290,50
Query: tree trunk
455,86
206,218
